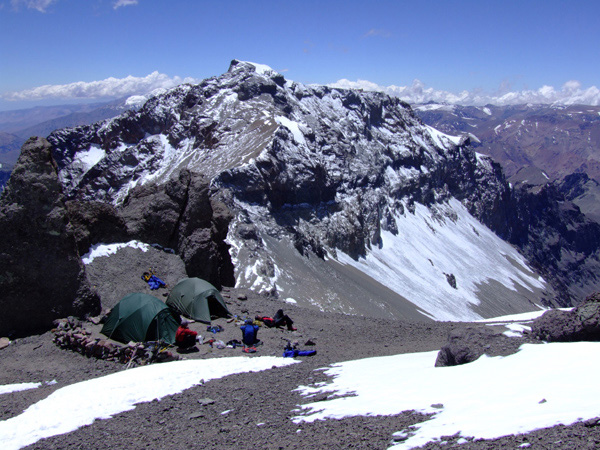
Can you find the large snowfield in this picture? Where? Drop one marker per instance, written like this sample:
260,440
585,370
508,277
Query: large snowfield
448,240
488,398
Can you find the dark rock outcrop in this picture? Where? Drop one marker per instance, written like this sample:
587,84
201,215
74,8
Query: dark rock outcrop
95,222
466,345
42,277
579,324
557,239
181,214
152,213
584,192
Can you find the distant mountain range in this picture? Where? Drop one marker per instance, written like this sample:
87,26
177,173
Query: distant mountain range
535,144
560,140
19,125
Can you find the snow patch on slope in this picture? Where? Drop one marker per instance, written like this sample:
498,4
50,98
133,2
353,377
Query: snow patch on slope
261,69
526,391
442,140
80,404
89,158
8,388
294,127
80,164
437,243
99,250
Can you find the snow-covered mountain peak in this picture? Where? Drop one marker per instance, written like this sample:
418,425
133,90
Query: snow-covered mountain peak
228,121
261,69
307,171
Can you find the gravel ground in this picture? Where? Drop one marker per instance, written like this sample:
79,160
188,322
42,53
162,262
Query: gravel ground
264,398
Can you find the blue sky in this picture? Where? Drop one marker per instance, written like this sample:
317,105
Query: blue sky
488,46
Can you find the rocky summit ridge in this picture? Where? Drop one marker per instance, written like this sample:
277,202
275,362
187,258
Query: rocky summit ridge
337,198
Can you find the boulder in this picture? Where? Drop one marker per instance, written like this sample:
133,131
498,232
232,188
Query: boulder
465,345
42,277
580,324
4,342
202,233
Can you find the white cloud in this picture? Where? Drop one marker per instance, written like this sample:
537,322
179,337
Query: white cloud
120,3
570,93
108,88
377,32
40,5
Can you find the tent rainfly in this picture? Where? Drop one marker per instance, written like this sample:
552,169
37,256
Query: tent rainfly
197,299
141,317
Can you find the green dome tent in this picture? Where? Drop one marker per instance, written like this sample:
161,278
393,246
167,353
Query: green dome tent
141,317
197,299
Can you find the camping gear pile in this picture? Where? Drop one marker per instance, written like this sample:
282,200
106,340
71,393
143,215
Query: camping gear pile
153,281
69,334
291,350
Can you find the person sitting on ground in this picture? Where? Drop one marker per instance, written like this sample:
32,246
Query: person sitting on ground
249,333
184,337
278,320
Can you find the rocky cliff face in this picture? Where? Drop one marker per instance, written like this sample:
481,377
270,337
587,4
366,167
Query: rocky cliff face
180,214
335,198
41,274
557,239
584,192
45,236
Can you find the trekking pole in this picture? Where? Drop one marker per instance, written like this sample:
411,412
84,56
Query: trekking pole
133,355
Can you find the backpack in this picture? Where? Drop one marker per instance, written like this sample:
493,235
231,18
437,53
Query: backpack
249,333
268,322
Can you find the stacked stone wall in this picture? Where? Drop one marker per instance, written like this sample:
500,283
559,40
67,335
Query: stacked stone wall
69,334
